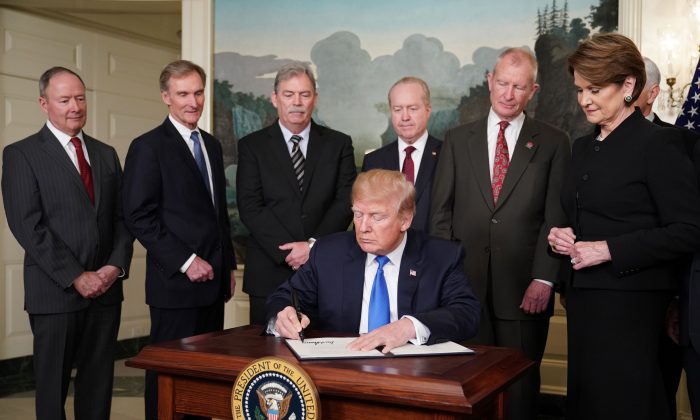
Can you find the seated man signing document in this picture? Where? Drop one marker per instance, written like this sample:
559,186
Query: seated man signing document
389,283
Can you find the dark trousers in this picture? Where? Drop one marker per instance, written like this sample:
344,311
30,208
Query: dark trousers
613,341
174,324
85,339
531,338
257,310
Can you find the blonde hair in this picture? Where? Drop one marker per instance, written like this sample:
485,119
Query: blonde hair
378,184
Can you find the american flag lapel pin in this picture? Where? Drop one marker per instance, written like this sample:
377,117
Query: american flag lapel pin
412,273
529,145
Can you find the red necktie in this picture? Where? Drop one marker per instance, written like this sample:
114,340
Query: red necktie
85,172
408,169
500,162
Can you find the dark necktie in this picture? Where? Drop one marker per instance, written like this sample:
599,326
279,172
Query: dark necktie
408,168
85,172
201,162
378,310
500,162
298,160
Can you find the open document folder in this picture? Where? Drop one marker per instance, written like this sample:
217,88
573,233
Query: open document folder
336,348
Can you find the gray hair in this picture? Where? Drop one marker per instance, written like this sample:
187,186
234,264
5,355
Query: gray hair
411,79
517,54
53,71
294,69
653,74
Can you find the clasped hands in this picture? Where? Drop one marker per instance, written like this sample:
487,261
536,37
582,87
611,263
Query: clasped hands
91,284
583,253
389,336
298,253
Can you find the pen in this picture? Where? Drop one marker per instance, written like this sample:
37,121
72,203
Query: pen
295,302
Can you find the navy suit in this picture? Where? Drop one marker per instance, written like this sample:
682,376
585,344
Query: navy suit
387,157
169,210
432,287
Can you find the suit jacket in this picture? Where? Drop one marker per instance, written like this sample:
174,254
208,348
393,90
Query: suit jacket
169,210
432,287
387,157
63,234
510,238
273,208
637,191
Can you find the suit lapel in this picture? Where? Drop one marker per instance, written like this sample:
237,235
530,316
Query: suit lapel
53,147
278,148
525,149
313,152
390,157
427,165
353,276
409,274
477,143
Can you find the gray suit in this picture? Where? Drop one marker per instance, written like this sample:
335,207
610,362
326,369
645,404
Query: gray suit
506,244
63,235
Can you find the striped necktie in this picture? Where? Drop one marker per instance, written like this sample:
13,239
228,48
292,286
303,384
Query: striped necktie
298,160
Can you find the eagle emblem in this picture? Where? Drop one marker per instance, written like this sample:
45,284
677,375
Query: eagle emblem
274,400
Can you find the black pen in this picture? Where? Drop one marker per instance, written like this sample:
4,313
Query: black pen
295,302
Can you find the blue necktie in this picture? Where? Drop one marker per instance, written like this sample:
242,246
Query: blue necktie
199,158
378,313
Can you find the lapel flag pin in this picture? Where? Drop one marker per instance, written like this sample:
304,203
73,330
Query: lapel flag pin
412,273
529,145
434,153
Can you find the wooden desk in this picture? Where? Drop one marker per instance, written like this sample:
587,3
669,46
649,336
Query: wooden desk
196,375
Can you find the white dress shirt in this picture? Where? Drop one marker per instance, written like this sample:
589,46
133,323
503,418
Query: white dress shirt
303,143
417,154
391,275
66,144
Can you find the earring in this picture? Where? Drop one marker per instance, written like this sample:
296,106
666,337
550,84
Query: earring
628,99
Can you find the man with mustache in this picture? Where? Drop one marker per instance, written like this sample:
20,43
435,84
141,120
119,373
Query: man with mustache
293,185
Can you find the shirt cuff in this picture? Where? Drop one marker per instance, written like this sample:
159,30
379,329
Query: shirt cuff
422,332
187,264
271,327
548,283
122,273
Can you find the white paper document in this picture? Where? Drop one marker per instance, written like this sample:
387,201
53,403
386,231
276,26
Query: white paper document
336,348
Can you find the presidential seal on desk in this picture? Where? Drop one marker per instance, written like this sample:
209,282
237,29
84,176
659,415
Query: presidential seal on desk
274,389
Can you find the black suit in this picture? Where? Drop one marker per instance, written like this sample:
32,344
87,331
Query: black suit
387,157
169,210
432,287
635,190
63,235
276,212
670,354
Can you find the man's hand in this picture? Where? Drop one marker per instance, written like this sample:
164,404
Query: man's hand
298,253
199,271
287,323
672,328
88,284
536,298
390,336
232,285
109,274
561,240
587,254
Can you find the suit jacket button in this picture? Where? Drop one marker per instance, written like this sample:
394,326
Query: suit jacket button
585,177
487,249
494,221
303,216
596,148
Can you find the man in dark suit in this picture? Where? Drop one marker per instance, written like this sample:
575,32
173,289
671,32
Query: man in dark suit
61,194
293,184
385,279
670,353
175,205
496,191
415,152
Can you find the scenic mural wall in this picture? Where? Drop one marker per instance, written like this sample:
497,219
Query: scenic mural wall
358,49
